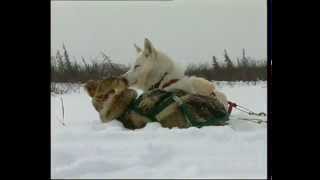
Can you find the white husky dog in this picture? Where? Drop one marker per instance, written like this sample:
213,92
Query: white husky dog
154,69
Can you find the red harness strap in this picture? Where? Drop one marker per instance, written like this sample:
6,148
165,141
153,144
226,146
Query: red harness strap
172,81
231,105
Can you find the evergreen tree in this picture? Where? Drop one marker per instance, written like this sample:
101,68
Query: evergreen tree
67,59
228,60
215,64
244,60
60,61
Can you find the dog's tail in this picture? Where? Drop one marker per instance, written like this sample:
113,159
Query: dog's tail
209,89
222,98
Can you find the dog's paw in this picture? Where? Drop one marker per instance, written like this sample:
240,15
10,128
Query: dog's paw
146,104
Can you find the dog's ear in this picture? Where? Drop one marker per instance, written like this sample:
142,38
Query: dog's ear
138,49
91,87
148,48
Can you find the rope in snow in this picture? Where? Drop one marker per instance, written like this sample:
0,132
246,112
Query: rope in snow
248,111
259,121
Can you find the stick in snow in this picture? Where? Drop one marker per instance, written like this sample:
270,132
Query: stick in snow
62,107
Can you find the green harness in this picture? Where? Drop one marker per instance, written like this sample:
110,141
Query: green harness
169,98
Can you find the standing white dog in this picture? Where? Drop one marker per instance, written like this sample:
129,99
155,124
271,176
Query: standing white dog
154,69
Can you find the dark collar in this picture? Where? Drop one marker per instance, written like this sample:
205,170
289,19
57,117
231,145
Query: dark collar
156,85
172,81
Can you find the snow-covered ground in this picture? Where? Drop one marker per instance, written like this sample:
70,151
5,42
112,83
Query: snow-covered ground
86,148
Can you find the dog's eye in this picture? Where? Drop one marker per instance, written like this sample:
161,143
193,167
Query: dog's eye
100,97
136,66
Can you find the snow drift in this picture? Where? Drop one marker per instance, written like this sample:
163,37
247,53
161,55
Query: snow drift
86,148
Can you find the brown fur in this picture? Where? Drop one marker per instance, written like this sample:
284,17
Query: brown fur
99,90
111,98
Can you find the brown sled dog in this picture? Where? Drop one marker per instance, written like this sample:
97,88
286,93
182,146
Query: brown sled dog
114,100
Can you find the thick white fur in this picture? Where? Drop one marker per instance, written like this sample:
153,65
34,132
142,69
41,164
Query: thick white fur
151,64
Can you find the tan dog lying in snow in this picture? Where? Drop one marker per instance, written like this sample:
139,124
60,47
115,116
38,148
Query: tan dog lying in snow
113,100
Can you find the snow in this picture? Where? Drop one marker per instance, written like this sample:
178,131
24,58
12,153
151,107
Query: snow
86,148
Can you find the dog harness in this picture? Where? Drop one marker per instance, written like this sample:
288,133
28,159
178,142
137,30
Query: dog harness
165,101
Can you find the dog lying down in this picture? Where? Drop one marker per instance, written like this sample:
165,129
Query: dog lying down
113,100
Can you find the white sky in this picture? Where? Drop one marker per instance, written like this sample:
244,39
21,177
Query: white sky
189,31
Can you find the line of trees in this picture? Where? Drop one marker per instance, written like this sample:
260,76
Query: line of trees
245,68
65,70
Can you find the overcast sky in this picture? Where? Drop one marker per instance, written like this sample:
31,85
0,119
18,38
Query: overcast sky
187,30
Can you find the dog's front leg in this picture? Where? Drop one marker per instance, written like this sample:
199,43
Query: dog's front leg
149,99
146,104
